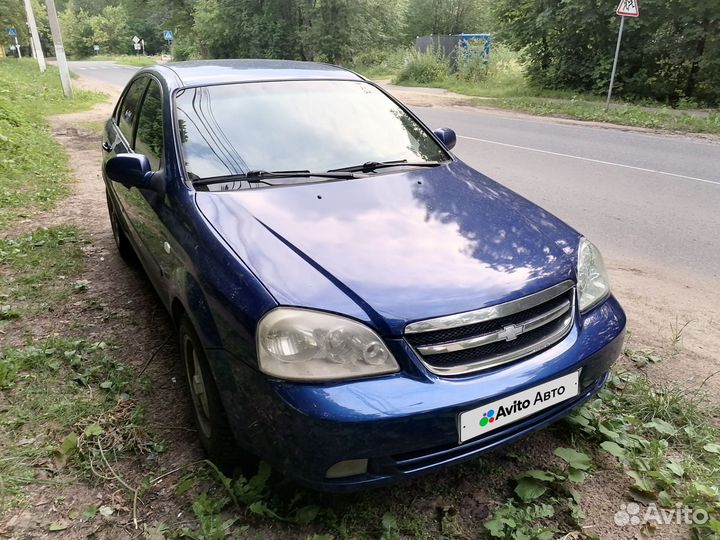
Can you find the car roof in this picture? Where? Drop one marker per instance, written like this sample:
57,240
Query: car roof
202,72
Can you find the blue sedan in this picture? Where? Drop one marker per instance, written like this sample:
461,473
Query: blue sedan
354,304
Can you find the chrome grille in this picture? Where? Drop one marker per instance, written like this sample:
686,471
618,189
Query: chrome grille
488,337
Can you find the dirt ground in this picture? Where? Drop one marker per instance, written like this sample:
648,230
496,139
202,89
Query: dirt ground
120,307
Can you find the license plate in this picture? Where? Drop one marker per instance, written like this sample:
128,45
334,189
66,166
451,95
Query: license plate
505,411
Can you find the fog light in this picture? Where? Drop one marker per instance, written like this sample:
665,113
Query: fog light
351,467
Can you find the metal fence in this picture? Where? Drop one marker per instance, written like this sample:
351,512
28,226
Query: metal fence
450,45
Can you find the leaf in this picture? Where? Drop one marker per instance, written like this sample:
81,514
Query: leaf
307,514
90,512
675,467
184,486
665,500
576,475
496,527
642,484
575,459
610,434
661,426
93,430
613,448
703,490
69,444
59,525
545,476
529,489
106,385
106,511
713,448
260,508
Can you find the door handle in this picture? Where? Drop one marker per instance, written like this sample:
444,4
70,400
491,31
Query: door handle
106,146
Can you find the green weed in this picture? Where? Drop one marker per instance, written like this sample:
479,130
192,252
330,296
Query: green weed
626,114
62,393
423,68
127,59
35,269
33,166
665,439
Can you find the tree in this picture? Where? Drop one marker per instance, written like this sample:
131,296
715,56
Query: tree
77,29
671,52
110,30
447,17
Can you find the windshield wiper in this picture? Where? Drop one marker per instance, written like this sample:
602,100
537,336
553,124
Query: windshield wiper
370,166
260,177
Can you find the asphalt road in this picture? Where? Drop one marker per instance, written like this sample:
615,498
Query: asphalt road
106,72
643,198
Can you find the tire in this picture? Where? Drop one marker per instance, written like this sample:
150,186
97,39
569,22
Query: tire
122,242
214,430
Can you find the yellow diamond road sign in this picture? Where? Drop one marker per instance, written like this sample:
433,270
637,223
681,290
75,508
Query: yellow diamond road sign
628,8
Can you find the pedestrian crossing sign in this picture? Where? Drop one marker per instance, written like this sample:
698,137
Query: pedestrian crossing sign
628,8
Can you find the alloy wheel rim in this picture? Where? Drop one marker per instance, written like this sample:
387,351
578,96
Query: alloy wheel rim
198,389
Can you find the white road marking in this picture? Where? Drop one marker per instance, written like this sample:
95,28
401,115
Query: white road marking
674,175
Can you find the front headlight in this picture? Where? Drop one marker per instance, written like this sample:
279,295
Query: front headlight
301,344
593,284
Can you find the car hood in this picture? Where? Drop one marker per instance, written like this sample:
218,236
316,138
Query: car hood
394,248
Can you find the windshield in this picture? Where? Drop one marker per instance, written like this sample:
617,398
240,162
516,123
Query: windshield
228,130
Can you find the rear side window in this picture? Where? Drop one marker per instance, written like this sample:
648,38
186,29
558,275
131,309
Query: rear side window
129,107
149,135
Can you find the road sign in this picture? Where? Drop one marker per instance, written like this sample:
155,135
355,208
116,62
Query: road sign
136,39
628,8
138,47
11,32
96,48
168,35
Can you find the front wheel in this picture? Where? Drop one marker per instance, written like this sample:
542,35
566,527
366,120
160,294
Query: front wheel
213,426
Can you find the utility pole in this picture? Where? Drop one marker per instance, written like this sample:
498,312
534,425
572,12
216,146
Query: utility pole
37,47
59,49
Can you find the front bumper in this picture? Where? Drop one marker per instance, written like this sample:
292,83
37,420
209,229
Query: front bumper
405,423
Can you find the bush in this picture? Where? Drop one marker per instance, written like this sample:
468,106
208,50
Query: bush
424,68
503,66
379,63
183,50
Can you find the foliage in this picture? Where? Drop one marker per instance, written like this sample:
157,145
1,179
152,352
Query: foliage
58,397
521,523
625,114
423,68
663,439
671,52
447,17
324,30
33,169
29,267
381,63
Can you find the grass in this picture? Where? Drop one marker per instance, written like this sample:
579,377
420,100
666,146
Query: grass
619,113
663,437
34,174
57,388
37,270
127,59
502,84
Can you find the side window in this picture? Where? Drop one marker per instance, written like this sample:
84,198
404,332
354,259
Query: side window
129,106
149,135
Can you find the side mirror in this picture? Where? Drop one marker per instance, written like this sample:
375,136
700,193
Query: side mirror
130,170
447,137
